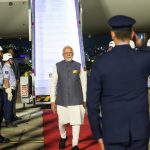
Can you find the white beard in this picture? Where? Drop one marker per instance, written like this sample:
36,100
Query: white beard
68,59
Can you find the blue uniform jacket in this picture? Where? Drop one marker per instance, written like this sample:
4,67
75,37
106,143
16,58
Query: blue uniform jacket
118,88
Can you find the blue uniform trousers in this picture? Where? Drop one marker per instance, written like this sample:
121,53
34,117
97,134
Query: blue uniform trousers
1,107
132,145
8,107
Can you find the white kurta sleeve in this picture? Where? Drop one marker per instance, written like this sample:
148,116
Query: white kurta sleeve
53,84
83,78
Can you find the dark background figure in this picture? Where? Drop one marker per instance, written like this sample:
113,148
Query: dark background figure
120,90
15,68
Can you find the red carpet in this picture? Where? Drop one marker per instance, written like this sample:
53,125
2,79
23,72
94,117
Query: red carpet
51,134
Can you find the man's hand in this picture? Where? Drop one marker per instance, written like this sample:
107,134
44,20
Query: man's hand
53,107
138,41
84,105
101,143
9,97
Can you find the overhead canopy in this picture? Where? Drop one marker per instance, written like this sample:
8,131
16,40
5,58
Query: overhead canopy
97,12
14,18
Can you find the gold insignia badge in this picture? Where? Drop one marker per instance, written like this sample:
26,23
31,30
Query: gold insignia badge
75,72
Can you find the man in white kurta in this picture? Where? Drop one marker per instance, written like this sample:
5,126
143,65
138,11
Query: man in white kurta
69,103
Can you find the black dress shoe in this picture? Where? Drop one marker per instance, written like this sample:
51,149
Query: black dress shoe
62,143
4,140
16,118
10,125
75,148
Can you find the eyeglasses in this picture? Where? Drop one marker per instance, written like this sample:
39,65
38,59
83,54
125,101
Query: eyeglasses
68,53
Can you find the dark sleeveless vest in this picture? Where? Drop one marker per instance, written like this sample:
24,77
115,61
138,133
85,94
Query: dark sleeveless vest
69,90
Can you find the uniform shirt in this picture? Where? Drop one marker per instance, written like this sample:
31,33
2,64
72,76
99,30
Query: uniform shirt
83,78
1,74
9,74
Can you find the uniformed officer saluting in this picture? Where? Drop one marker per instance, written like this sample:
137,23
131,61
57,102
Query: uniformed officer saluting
120,90
9,89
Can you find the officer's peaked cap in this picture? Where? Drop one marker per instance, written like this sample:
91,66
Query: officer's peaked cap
121,21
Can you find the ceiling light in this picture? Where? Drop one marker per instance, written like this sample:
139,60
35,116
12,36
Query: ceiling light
10,3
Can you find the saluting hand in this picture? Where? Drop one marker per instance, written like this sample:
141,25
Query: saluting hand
101,143
53,107
138,41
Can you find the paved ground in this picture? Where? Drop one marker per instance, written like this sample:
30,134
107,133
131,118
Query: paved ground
29,133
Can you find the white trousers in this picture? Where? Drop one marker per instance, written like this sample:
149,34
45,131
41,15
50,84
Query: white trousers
75,133
74,115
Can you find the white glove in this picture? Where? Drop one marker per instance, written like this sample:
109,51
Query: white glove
9,97
9,94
